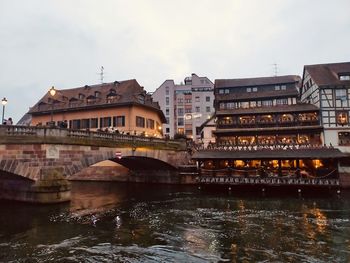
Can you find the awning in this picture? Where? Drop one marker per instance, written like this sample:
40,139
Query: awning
303,153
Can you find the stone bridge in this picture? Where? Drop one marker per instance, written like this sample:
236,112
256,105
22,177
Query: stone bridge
36,162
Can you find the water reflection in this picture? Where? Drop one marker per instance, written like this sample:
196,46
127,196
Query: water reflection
139,223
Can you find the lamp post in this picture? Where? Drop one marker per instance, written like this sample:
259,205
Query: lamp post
3,102
52,92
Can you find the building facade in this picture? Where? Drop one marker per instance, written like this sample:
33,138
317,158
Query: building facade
328,87
118,106
264,111
186,106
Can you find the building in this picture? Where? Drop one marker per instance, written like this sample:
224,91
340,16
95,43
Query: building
124,106
265,136
264,111
207,130
327,86
186,106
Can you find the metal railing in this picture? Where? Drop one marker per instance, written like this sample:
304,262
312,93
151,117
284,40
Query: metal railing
266,181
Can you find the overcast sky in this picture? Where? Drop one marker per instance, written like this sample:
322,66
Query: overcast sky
65,42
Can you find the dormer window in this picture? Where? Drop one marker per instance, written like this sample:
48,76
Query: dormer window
141,98
90,100
344,77
81,96
97,94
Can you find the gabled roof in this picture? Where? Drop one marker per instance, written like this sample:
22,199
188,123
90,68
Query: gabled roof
249,82
127,92
328,74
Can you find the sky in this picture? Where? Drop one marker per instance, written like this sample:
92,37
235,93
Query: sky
64,43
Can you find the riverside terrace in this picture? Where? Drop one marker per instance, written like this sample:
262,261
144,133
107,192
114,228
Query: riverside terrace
293,165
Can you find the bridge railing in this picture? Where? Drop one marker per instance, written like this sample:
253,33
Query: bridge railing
10,131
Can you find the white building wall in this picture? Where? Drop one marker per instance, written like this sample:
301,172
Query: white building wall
200,87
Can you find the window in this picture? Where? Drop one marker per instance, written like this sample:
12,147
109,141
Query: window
167,120
180,121
227,91
140,122
197,99
267,103
180,111
282,101
97,94
207,98
342,117
105,122
340,94
119,121
94,123
150,124
188,110
166,90
344,77
207,109
198,109
249,89
167,111
141,98
283,87
344,138
85,123
221,91
167,130
76,124
245,104
277,87
255,89
166,100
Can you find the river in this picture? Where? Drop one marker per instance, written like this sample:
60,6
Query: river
111,222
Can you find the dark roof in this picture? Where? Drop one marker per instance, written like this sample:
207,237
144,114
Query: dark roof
328,74
272,94
126,92
301,107
301,153
248,82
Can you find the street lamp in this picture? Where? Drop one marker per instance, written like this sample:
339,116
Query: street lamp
52,92
3,102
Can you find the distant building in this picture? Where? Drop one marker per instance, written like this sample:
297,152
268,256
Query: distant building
264,111
207,132
124,106
328,87
186,106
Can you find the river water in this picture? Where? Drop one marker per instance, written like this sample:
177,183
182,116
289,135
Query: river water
111,222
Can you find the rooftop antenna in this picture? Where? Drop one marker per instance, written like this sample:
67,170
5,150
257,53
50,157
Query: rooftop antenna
275,69
101,74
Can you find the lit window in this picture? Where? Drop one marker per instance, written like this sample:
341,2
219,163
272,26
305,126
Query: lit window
255,89
344,77
342,117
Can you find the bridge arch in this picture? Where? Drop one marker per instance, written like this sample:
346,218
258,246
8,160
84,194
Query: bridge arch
141,163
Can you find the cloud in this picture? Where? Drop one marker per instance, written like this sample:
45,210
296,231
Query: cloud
64,43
